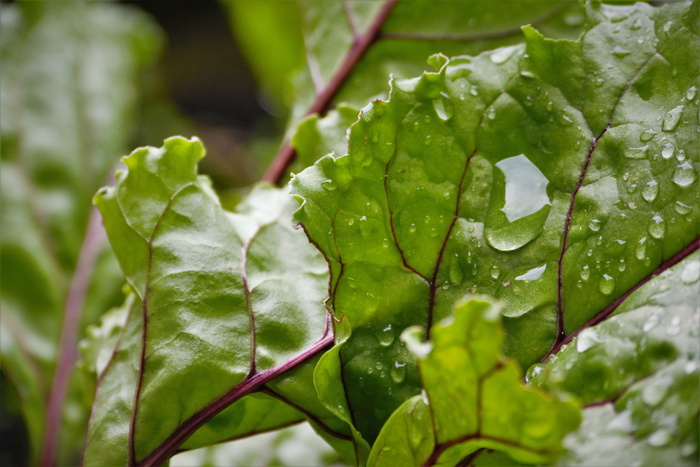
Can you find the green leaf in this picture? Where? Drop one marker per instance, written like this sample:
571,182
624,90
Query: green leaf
225,302
67,109
561,184
293,446
639,373
488,406
351,48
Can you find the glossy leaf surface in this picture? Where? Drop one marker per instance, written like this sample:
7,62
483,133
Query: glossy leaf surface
67,105
639,372
224,302
351,48
473,399
558,176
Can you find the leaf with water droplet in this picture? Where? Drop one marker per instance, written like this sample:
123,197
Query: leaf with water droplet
454,209
487,405
672,118
644,363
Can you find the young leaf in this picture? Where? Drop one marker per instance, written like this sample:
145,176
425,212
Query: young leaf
558,176
225,302
473,399
67,106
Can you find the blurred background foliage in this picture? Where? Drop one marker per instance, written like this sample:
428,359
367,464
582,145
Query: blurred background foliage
84,82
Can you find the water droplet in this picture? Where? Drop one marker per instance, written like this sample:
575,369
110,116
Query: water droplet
667,151
660,437
681,208
641,251
657,227
585,273
650,190
379,365
621,266
587,339
691,93
684,174
606,285
680,155
533,371
495,272
412,228
386,336
502,55
619,52
688,449
565,120
667,26
527,74
533,274
328,185
398,372
474,90
672,118
636,25
491,114
647,135
651,322
523,189
691,272
443,107
594,225
637,153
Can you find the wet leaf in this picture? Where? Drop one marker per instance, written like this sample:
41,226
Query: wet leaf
488,406
547,187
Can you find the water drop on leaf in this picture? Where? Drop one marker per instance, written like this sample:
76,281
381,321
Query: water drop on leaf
650,191
657,227
672,118
667,151
684,174
647,135
637,153
398,372
681,208
691,272
606,285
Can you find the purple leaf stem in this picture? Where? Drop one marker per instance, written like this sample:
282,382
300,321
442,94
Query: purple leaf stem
67,353
278,169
